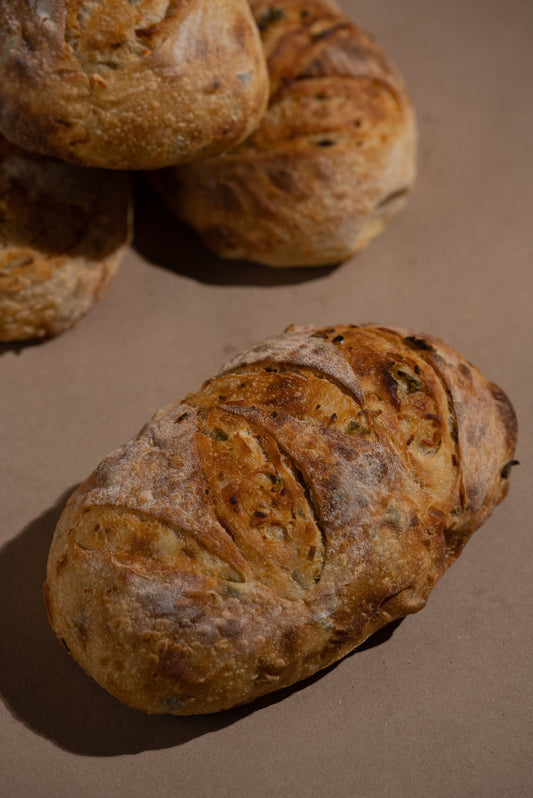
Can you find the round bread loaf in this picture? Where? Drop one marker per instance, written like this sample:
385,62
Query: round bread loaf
63,231
332,161
129,85
261,529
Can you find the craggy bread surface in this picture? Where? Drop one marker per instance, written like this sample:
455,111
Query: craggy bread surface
332,161
129,85
63,232
313,491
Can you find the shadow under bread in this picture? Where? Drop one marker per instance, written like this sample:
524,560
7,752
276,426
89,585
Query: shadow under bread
50,694
163,240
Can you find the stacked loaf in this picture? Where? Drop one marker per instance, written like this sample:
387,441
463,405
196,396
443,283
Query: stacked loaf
287,136
332,161
110,85
63,231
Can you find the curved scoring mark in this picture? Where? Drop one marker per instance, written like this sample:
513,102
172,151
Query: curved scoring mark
261,501
325,45
173,486
297,347
347,477
427,352
316,553
312,505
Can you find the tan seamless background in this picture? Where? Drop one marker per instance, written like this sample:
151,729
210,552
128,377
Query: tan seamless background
443,705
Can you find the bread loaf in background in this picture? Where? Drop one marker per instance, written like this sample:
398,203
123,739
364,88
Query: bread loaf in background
129,85
63,231
261,529
332,161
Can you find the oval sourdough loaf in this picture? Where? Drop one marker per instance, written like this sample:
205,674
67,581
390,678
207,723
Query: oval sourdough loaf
332,161
313,491
63,231
129,85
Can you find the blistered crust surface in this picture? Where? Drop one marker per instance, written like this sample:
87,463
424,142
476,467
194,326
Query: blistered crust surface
332,161
314,490
126,85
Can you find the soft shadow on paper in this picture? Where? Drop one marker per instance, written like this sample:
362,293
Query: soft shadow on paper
18,347
163,240
51,695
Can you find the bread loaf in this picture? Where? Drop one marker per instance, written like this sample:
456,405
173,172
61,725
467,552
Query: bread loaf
129,85
313,491
63,231
332,161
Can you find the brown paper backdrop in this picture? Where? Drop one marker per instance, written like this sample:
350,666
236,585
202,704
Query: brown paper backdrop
440,705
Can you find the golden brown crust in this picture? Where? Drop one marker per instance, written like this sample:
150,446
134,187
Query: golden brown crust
332,161
63,231
314,490
128,85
